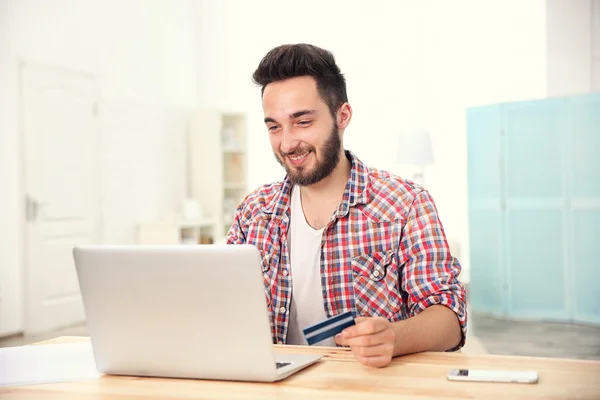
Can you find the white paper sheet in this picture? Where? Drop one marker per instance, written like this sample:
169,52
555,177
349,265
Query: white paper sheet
28,365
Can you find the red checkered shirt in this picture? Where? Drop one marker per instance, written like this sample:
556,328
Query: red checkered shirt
383,252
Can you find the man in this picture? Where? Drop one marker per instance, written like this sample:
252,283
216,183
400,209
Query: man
336,235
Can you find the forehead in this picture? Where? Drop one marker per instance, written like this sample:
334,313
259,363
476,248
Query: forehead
291,95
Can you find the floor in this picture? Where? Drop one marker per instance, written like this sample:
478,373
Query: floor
539,339
19,340
486,335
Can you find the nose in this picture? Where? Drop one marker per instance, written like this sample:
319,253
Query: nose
288,141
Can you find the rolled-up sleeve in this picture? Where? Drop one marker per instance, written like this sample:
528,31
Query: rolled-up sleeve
429,270
235,234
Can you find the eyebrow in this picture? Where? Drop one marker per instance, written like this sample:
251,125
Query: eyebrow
295,115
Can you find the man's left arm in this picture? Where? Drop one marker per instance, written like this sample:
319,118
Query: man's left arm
435,297
235,234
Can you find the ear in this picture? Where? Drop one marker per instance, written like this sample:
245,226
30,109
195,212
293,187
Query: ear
344,115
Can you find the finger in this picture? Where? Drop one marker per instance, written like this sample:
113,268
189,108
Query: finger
366,340
340,341
367,326
384,349
388,335
377,362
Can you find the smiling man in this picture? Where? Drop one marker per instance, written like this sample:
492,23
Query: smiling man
336,235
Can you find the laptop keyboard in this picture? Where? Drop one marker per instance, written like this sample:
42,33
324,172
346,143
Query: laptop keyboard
282,364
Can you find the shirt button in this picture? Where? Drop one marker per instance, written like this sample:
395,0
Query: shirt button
285,272
375,273
282,310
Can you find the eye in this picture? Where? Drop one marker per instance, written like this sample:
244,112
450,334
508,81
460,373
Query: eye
272,128
304,123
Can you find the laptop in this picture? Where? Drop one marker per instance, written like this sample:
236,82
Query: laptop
180,311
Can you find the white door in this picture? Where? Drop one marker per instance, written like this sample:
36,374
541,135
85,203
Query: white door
61,190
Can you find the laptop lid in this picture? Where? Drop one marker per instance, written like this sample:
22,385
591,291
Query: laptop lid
177,311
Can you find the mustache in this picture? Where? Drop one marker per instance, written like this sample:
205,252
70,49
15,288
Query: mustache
296,151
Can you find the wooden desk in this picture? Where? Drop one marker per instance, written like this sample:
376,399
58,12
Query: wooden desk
339,376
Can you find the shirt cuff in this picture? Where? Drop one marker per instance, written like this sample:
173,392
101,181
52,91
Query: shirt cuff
454,303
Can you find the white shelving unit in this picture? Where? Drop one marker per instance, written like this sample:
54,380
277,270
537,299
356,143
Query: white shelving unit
176,231
217,165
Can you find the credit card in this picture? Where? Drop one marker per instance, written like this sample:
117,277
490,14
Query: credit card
328,328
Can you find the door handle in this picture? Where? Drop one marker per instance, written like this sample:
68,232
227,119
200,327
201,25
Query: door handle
32,207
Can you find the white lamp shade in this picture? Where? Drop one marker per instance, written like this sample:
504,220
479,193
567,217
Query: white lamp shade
414,148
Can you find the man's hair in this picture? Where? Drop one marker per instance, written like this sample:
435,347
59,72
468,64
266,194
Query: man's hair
295,60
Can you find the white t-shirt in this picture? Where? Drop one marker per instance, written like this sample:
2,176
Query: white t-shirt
305,255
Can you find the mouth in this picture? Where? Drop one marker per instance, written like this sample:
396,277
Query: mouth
298,159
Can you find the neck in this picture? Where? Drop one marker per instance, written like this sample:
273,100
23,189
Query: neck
332,186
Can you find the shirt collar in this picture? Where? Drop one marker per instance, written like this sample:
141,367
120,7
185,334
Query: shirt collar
355,192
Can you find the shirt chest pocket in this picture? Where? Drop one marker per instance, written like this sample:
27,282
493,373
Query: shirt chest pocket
375,284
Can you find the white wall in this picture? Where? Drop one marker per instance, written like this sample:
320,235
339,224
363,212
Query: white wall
473,52
144,54
596,45
571,44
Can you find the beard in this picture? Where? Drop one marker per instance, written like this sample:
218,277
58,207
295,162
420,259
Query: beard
327,159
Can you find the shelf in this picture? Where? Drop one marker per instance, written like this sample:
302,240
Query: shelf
234,186
234,150
218,163
199,223
228,220
176,230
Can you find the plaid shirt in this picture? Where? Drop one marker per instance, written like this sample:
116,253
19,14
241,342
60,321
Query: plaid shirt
383,252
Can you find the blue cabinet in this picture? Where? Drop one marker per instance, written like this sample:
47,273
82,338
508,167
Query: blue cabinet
534,208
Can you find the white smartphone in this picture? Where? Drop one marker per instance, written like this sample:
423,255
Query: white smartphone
489,375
